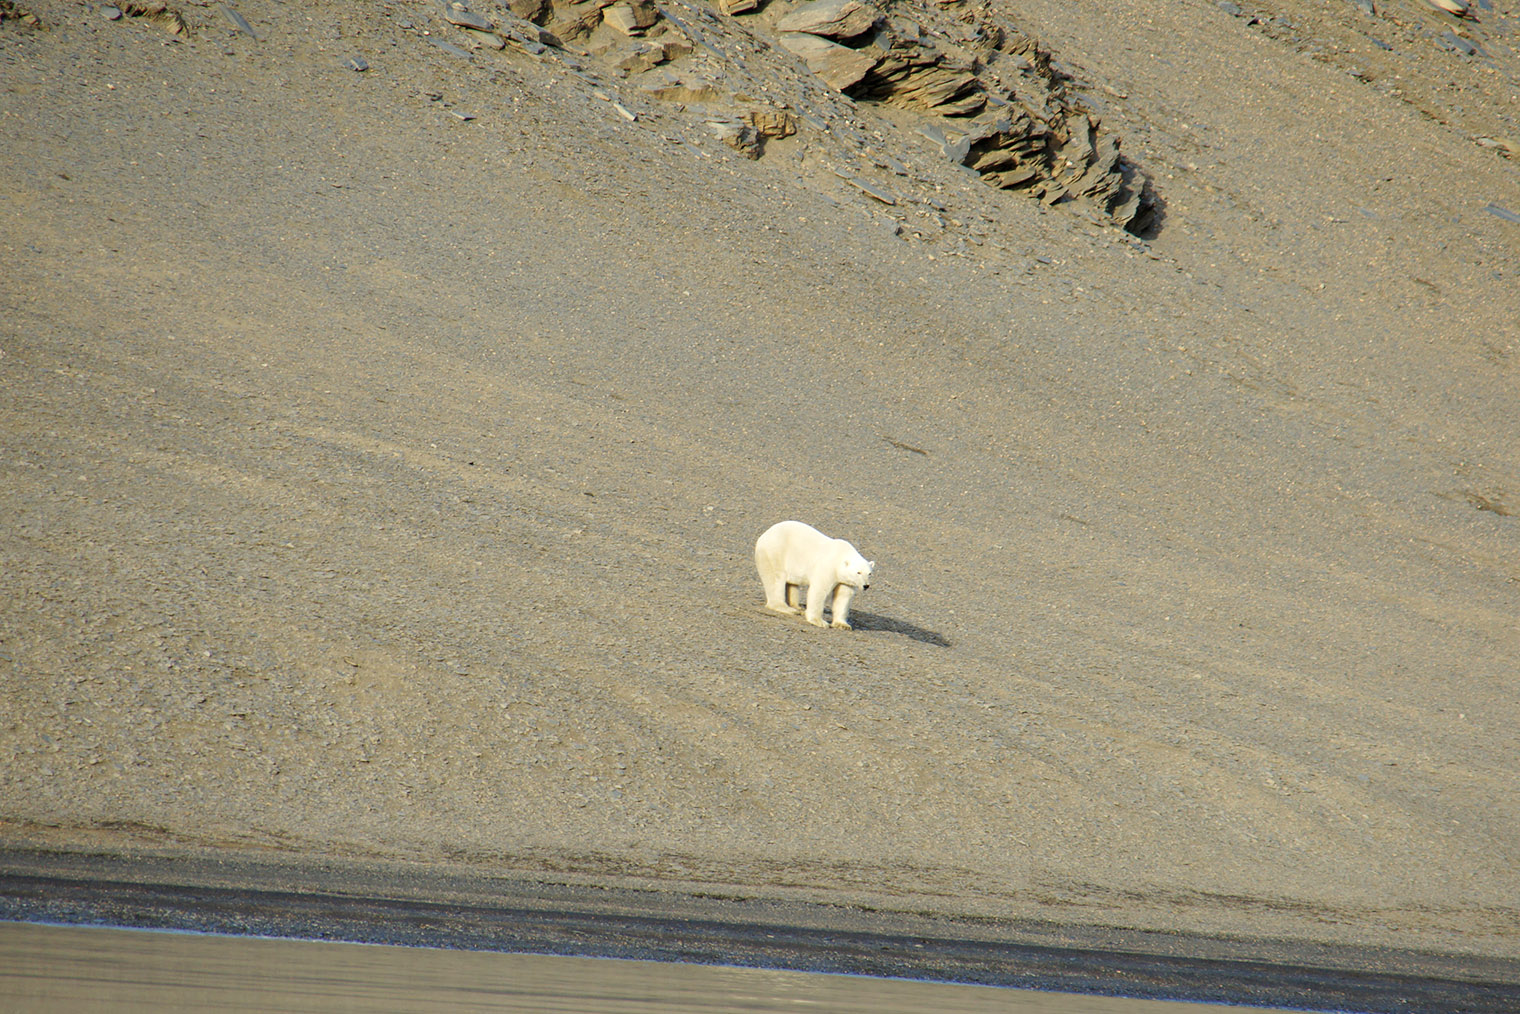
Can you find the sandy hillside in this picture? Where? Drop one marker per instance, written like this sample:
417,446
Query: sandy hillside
382,453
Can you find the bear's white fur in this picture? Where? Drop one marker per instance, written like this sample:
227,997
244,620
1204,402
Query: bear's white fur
791,554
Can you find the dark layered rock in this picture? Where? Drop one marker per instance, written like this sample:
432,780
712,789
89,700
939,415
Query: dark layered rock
1067,161
912,76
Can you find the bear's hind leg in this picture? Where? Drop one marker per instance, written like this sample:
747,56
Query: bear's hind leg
842,596
777,596
794,595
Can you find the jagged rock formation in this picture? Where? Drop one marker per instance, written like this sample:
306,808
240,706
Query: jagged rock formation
991,93
912,76
1029,135
1056,163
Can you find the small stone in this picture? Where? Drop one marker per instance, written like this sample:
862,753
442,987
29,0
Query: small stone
1451,40
933,133
461,16
1233,10
772,122
732,7
530,10
528,34
871,190
674,45
240,22
111,13
488,39
620,18
669,87
631,17
737,135
449,47
639,58
358,63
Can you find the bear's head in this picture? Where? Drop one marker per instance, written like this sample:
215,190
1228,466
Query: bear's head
857,571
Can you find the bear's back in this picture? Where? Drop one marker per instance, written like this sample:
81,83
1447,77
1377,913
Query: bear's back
796,542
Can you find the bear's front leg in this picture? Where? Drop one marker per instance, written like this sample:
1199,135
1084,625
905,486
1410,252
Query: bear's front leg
842,596
816,597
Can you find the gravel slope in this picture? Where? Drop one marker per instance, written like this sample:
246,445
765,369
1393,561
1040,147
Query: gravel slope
381,483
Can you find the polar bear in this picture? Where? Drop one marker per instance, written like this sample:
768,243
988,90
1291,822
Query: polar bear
791,554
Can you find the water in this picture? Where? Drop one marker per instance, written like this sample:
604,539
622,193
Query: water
56,969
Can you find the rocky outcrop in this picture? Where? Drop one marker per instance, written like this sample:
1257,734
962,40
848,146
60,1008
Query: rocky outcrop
991,94
1028,134
1065,161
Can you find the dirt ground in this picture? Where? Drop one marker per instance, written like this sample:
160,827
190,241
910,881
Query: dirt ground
382,454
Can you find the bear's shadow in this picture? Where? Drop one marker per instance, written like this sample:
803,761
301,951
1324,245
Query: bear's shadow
874,621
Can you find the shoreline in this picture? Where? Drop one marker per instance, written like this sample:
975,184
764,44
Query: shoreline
326,899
